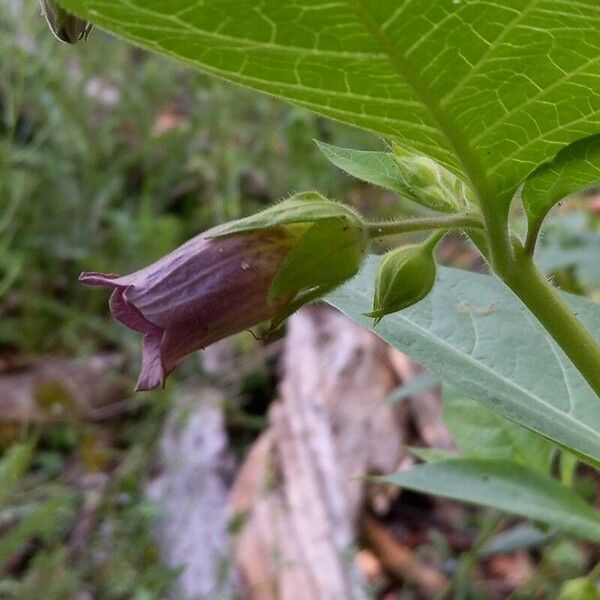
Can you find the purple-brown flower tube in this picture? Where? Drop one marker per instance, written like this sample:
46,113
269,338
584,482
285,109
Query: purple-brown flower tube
205,290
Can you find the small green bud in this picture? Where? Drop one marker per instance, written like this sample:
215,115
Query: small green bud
65,26
405,276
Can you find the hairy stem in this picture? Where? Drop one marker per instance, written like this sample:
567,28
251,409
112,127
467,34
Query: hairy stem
543,300
384,228
515,266
434,239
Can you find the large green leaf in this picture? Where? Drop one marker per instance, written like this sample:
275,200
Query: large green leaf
473,333
489,88
507,486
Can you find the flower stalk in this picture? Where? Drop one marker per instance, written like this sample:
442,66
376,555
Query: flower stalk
387,228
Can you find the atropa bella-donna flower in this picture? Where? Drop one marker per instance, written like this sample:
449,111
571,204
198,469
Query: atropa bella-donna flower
235,276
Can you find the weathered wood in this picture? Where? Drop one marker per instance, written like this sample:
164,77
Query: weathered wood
191,493
297,498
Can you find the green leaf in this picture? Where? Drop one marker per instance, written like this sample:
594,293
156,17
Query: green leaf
473,333
506,486
574,169
417,178
482,433
490,89
522,536
420,383
431,454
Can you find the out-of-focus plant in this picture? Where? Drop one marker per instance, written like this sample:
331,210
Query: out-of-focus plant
67,528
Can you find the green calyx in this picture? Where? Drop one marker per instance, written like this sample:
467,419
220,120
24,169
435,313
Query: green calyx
330,244
326,255
405,276
65,26
303,208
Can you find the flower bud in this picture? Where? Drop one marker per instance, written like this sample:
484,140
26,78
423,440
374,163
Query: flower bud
431,184
405,276
234,277
65,26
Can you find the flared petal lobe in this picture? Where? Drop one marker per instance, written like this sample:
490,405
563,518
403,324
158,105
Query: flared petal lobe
203,291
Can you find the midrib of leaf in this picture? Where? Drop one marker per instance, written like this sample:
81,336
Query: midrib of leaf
459,145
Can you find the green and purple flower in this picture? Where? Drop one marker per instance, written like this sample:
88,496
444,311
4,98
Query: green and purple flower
233,277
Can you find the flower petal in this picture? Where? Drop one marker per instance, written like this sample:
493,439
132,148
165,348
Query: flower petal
152,374
100,279
201,292
125,312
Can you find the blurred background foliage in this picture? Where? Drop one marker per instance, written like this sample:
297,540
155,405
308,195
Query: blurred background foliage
109,158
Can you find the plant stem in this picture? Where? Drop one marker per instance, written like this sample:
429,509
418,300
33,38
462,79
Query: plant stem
543,300
433,240
384,228
532,236
496,228
514,265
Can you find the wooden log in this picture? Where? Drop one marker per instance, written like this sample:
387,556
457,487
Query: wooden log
298,496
